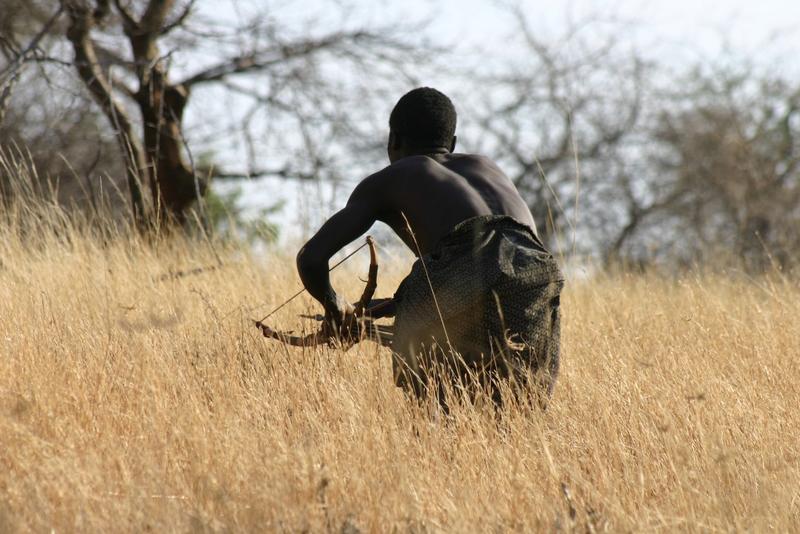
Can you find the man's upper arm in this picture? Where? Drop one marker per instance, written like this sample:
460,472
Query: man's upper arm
362,210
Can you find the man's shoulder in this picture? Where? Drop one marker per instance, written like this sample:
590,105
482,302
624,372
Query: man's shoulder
419,165
411,162
474,159
377,183
453,159
402,167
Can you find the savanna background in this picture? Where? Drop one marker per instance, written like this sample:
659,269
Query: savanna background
161,161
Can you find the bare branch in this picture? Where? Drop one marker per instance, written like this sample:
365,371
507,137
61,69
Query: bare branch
129,22
265,59
181,19
279,172
154,16
107,56
9,47
22,56
14,69
100,87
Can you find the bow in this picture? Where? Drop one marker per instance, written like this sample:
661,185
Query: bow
358,326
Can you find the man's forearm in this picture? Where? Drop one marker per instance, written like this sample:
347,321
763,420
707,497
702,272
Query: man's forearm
312,260
313,271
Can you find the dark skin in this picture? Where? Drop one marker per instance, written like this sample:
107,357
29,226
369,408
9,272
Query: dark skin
422,195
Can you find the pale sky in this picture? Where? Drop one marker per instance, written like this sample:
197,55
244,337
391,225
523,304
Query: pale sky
675,31
674,23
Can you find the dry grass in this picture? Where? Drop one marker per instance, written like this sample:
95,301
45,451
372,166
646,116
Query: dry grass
132,404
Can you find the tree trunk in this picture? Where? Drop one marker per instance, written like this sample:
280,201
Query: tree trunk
157,159
96,81
171,179
173,183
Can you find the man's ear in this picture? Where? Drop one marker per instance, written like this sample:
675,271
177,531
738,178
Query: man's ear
394,140
453,144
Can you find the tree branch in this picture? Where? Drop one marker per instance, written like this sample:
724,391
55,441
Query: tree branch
265,59
152,21
187,10
280,172
107,56
13,70
129,23
97,83
22,55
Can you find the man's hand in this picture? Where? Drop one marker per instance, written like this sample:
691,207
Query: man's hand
341,323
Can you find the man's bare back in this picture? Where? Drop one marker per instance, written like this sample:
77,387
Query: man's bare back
424,195
431,194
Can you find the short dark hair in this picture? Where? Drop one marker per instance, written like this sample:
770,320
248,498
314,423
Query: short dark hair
424,117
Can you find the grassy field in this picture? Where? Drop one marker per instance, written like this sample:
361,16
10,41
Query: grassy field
130,403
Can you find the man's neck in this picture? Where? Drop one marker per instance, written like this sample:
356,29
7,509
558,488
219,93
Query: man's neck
428,151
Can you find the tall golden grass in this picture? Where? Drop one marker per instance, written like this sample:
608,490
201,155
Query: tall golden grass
130,402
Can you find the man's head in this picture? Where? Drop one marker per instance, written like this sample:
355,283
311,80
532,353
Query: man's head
423,120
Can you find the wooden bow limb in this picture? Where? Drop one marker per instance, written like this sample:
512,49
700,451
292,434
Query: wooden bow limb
372,280
310,340
356,325
376,309
368,330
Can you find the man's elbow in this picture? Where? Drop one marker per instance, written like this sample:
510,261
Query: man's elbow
308,260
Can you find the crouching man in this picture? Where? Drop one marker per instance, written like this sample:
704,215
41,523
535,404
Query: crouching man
482,300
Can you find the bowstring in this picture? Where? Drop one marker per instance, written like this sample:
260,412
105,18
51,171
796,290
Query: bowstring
302,290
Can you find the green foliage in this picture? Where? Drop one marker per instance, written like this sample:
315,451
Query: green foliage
228,220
